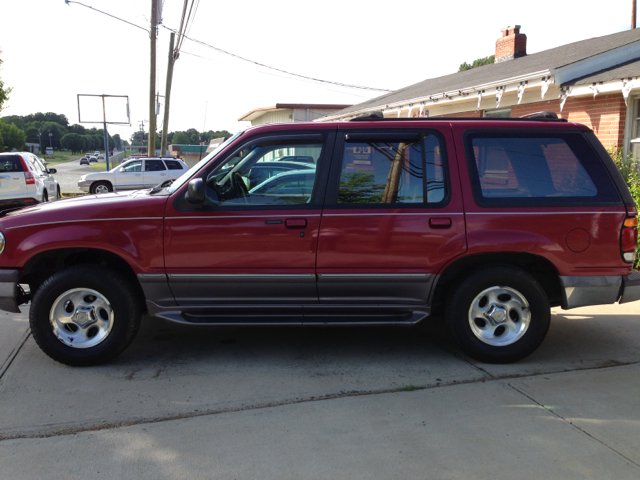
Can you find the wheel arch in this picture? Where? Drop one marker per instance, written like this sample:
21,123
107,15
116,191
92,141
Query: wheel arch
46,263
109,183
539,267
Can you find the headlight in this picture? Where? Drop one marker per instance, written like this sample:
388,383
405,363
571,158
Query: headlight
2,242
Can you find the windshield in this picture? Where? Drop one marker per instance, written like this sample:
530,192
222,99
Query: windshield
189,173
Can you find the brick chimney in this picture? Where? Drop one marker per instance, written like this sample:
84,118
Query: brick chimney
513,44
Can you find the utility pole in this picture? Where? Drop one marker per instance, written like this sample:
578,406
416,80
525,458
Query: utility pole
633,14
151,150
142,131
167,96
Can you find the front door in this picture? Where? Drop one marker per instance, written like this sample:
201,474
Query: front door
393,216
130,176
251,243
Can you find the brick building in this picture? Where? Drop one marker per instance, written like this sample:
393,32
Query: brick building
594,82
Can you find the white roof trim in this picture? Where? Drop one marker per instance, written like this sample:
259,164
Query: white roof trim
596,63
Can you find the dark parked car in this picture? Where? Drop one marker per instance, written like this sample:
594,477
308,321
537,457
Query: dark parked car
490,221
84,161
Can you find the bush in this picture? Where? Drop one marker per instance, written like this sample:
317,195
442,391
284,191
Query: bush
628,167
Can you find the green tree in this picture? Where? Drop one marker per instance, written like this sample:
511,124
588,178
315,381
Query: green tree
73,142
180,138
4,91
118,141
75,128
12,137
477,63
629,168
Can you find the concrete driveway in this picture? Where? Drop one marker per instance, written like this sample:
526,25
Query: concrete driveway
287,403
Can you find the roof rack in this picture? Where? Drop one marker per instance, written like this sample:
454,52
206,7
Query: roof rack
539,116
546,115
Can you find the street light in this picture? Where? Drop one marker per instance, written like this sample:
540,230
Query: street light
50,135
40,142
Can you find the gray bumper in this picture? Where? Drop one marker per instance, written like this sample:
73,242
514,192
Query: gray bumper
9,290
599,290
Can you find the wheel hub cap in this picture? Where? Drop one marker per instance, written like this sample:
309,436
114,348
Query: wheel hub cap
85,316
496,314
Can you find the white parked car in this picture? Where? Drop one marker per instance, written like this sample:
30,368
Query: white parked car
134,174
25,180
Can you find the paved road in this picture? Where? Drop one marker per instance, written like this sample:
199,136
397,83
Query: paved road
287,403
69,173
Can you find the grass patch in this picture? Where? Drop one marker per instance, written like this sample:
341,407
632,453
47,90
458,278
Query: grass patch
62,157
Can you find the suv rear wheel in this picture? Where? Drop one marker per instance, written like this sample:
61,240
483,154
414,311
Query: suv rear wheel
84,315
498,314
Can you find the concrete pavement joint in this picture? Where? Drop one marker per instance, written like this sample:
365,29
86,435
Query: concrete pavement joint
552,412
210,412
14,354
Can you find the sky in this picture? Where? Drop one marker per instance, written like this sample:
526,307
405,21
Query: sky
52,52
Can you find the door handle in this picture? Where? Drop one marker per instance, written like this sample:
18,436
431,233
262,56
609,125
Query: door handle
295,223
440,222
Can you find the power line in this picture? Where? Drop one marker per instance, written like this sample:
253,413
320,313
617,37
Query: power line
277,69
220,50
69,2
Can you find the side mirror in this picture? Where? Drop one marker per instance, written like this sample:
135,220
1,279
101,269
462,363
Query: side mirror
52,170
121,169
195,192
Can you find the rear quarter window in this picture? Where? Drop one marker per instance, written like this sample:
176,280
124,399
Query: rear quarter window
529,169
11,163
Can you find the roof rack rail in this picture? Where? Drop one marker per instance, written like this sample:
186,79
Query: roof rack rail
546,114
372,116
540,116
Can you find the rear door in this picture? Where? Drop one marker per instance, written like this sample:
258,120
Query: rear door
155,172
393,216
12,181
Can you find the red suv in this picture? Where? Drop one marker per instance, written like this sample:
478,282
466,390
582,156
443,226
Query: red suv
492,221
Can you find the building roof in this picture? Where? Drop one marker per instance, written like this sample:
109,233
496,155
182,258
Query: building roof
258,112
555,58
617,72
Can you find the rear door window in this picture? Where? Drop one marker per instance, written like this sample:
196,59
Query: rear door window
536,169
154,165
379,170
10,163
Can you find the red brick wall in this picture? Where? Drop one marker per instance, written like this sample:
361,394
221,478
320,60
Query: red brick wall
472,114
606,115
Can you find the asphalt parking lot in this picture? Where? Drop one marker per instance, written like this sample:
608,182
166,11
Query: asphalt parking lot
280,403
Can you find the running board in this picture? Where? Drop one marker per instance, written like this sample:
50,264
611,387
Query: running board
227,318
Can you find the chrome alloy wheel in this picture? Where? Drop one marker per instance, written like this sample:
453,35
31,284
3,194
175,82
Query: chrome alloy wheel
81,318
499,316
102,189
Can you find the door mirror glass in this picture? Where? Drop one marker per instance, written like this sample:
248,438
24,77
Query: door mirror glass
52,170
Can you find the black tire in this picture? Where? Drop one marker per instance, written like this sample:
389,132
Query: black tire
116,289
45,197
58,193
95,186
458,315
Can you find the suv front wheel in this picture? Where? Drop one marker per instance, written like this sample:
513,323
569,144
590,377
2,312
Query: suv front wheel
498,314
84,315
